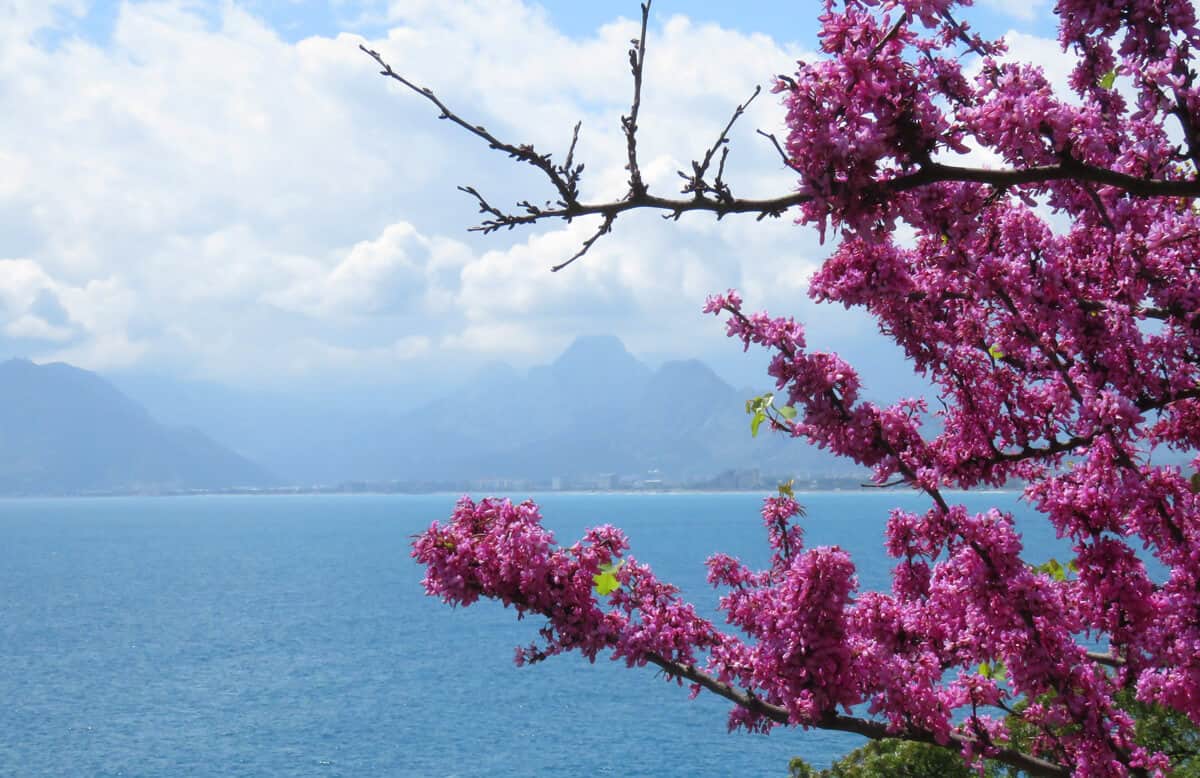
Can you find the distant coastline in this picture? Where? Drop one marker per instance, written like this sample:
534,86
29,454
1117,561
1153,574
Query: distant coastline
820,486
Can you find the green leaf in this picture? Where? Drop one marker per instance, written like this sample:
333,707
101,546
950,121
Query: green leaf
1054,569
1195,483
606,580
760,407
759,404
1107,80
786,490
994,671
995,352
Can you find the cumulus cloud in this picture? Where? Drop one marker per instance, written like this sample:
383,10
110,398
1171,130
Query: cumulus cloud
199,194
30,305
400,270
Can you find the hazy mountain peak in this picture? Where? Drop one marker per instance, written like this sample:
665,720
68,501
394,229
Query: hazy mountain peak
594,346
692,369
16,363
67,430
57,386
598,356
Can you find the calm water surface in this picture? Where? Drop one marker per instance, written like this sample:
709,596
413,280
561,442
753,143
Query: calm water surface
288,636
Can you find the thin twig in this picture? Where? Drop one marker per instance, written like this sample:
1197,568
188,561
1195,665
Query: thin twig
961,33
524,153
637,62
782,154
605,226
892,33
695,182
888,485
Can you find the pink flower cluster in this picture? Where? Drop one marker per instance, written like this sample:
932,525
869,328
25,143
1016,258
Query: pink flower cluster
1053,303
500,551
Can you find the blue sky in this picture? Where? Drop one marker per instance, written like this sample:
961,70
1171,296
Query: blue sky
227,191
297,19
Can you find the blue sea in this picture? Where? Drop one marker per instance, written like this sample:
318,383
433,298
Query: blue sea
289,636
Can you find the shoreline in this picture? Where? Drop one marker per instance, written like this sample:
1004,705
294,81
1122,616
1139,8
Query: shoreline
476,493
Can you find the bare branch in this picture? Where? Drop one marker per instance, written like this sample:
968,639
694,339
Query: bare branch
486,207
962,35
775,206
524,153
891,34
782,154
637,61
569,168
695,182
605,226
716,198
888,485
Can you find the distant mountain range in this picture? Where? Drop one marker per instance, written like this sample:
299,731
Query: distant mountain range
67,431
596,409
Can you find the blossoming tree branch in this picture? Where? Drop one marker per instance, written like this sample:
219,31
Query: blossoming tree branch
1063,357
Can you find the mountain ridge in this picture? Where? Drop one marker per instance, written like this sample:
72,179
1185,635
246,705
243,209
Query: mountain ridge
64,430
595,408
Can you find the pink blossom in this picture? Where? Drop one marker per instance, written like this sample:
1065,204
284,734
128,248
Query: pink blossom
1065,357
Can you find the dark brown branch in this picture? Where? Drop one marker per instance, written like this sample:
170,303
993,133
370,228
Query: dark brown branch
1187,123
1052,447
605,226
695,182
775,206
715,198
573,171
1056,446
961,33
932,173
524,153
484,206
782,154
834,721
1071,169
637,62
1101,211
891,34
1153,404
888,485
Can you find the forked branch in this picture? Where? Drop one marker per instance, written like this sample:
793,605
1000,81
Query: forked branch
715,196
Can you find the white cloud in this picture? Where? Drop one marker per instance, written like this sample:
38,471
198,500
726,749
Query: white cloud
398,270
1048,54
210,198
30,327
